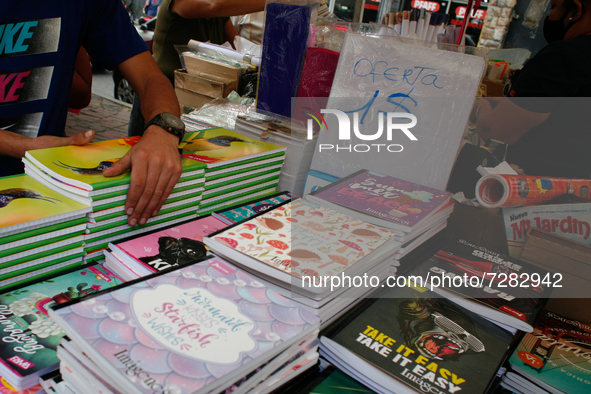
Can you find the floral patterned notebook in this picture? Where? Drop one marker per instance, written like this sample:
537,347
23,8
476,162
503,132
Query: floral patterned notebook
304,239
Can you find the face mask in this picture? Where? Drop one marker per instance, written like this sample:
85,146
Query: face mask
555,30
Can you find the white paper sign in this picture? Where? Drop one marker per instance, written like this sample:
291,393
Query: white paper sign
385,75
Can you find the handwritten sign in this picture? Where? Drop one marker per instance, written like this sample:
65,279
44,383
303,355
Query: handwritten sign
194,323
377,77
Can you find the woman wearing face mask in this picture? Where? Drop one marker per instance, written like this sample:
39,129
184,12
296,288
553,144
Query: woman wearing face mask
545,118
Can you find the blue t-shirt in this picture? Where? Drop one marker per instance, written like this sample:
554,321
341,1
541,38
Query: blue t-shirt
39,42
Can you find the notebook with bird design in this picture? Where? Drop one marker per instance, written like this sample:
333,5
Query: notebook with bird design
81,167
26,204
219,147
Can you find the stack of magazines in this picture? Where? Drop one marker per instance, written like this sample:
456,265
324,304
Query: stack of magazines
505,290
238,168
316,256
414,212
207,327
40,230
554,358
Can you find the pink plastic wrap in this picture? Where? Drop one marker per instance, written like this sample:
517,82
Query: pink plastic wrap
319,69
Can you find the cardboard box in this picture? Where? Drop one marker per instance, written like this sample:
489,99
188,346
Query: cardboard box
211,69
207,87
493,89
190,99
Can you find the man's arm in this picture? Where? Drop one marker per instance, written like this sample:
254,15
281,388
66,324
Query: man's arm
190,9
82,84
154,161
16,145
230,32
506,121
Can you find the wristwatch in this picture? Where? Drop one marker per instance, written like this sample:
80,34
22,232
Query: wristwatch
170,123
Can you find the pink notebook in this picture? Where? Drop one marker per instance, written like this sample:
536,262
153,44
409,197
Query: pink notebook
178,245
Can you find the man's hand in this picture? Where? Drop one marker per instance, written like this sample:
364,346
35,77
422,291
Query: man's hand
16,145
154,161
155,169
48,141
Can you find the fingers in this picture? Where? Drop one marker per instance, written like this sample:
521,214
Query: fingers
154,174
143,186
49,141
168,189
119,167
80,138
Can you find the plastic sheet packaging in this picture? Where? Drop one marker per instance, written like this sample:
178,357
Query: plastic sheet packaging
322,55
287,28
321,62
496,190
247,47
380,75
223,112
534,13
248,85
217,56
516,56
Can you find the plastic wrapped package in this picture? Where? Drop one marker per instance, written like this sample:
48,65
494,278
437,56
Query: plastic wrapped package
287,27
322,57
285,132
248,85
329,33
534,13
318,72
223,112
379,76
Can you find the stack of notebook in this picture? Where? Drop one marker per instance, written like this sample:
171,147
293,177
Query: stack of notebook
316,256
238,168
554,358
40,230
156,251
203,328
414,212
242,212
409,340
76,172
29,338
503,289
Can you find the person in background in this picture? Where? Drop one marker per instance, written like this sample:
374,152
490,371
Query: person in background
545,117
40,44
250,26
151,7
180,21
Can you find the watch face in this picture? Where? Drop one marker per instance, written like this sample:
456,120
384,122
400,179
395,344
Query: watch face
173,120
